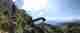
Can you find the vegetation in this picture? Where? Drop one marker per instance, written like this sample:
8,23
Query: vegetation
71,27
21,18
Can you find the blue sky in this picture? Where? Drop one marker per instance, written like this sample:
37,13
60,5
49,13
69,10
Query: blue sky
59,10
63,9
19,3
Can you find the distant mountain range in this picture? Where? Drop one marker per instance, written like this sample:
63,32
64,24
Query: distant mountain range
54,22
47,26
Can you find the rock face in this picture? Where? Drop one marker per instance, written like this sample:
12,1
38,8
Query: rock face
5,13
4,18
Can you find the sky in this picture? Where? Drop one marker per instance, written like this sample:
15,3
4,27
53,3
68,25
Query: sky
19,3
63,9
59,10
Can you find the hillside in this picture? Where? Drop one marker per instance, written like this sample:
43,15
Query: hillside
21,17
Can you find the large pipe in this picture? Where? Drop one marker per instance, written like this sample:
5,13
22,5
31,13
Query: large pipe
41,18
36,27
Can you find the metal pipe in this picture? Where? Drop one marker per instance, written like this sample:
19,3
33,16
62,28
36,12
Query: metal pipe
41,18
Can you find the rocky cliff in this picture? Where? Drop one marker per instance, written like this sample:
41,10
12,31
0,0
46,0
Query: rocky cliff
21,17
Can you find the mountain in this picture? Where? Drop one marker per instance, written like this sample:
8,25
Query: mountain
53,22
48,25
60,23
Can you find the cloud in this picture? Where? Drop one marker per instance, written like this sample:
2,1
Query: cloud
36,8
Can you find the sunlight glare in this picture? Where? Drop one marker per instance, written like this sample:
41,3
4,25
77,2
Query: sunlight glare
14,0
36,4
